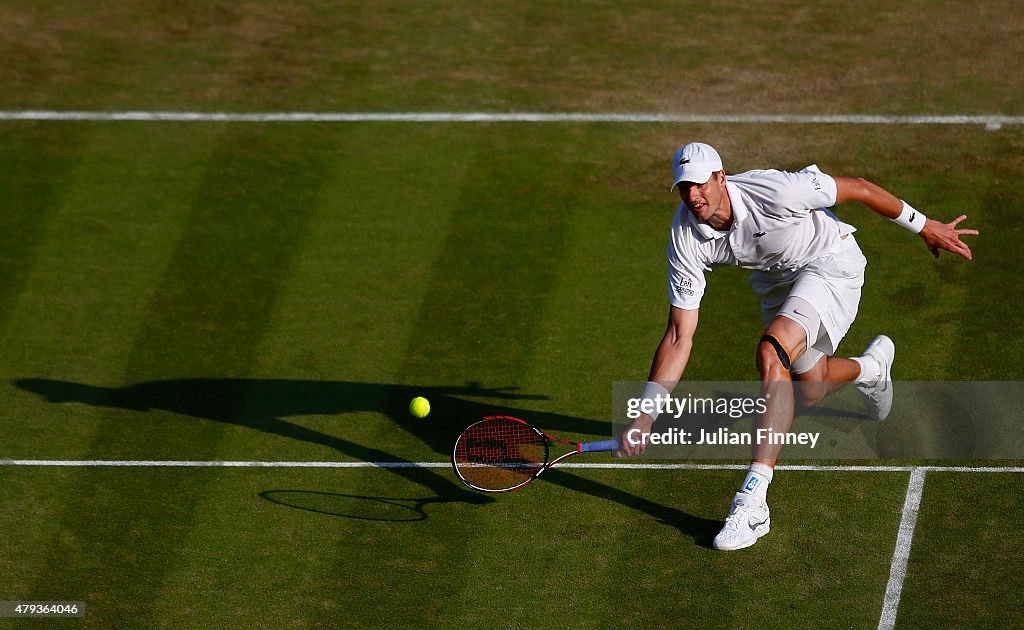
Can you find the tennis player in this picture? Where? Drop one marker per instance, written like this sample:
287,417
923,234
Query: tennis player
808,271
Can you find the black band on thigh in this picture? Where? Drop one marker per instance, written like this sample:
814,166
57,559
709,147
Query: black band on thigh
783,355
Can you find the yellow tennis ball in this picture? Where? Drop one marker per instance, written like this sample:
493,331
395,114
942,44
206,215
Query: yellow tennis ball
419,407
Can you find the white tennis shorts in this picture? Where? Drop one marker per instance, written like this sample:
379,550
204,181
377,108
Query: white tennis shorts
831,286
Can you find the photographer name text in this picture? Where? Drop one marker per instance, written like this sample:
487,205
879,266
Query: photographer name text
721,437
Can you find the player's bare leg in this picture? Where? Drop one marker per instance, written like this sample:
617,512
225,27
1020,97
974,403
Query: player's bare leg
870,373
749,518
783,342
828,375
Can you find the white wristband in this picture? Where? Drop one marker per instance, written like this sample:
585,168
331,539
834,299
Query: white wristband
654,400
911,219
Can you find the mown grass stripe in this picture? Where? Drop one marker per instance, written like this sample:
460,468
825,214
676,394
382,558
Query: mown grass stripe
490,284
247,221
34,158
987,299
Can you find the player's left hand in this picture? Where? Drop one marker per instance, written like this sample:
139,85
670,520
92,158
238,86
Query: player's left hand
945,236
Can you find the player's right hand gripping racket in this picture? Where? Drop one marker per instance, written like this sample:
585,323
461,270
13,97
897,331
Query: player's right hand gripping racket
502,453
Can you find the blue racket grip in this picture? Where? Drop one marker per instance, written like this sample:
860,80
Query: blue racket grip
602,446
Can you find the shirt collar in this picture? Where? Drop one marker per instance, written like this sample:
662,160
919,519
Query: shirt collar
739,214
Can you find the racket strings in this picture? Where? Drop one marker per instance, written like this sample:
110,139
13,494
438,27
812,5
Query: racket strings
500,453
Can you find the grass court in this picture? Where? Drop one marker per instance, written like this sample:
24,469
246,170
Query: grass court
277,292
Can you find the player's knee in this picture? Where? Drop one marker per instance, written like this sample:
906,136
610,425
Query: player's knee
772,358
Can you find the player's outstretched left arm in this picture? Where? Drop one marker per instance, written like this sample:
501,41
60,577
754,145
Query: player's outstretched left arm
936,235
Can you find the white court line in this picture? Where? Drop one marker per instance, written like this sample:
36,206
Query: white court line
904,540
117,463
991,122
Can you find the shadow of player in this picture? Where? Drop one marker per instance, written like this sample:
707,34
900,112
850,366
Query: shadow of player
266,404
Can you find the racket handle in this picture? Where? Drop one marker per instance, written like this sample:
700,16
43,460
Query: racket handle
602,446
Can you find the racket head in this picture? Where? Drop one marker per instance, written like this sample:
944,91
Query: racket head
499,454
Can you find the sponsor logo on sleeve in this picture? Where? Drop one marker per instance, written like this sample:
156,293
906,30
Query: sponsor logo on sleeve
685,287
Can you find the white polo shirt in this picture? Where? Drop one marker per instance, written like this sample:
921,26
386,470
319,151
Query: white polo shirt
780,224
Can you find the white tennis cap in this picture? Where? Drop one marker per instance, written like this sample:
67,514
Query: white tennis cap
695,163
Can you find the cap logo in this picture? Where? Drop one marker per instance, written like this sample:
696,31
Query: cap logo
684,161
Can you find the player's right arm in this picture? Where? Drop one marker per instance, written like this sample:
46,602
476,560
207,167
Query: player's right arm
667,368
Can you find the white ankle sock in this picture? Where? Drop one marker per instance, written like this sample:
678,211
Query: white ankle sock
757,480
869,370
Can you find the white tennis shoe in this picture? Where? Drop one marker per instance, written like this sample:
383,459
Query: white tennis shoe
878,393
748,520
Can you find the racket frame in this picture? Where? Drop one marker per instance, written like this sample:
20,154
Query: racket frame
546,438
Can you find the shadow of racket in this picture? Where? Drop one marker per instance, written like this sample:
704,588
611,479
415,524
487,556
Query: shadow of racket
354,506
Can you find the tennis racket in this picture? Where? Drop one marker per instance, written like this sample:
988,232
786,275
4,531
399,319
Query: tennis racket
502,453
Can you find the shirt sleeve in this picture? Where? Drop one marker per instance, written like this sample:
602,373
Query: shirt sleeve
798,194
686,267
